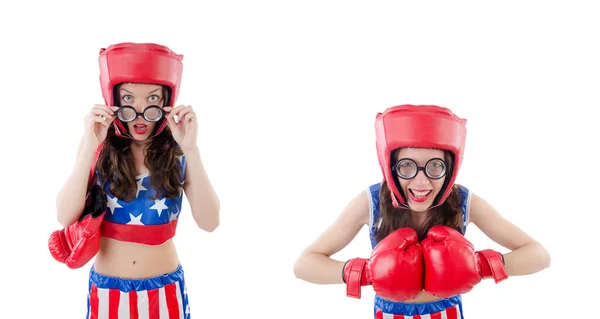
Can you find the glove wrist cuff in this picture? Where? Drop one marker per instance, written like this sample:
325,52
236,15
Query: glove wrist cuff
491,264
354,271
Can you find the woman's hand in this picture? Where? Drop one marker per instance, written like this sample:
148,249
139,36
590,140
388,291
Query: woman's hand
185,129
96,124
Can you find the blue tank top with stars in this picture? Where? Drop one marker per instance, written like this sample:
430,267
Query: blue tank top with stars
411,309
143,210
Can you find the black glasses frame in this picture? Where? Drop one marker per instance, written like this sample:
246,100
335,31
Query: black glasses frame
419,168
119,112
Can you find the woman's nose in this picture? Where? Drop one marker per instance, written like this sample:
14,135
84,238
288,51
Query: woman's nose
421,178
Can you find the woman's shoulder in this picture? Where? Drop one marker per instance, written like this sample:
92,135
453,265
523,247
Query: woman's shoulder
460,187
358,208
375,186
374,189
462,190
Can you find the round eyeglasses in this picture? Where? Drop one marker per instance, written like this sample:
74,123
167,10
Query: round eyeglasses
128,113
407,168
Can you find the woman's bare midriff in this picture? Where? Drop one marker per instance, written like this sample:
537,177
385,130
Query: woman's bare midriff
130,260
423,297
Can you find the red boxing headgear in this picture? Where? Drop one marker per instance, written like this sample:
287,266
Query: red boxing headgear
419,126
139,63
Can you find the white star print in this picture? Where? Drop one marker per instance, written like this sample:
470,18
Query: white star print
140,187
112,204
135,220
180,158
159,205
180,191
173,216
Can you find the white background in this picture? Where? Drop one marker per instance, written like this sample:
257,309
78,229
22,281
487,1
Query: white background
286,94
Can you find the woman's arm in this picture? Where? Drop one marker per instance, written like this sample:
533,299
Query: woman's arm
71,198
527,256
314,264
202,197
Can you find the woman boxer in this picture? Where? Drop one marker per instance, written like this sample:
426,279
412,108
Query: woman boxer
417,216
147,158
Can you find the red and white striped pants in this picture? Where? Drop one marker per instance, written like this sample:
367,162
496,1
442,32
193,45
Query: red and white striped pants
449,313
161,297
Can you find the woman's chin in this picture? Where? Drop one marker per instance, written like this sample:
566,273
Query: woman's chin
420,203
141,137
419,207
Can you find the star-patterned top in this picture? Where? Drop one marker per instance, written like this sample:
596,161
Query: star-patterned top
143,210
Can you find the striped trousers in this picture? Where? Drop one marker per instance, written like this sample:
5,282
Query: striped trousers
448,308
160,297
449,313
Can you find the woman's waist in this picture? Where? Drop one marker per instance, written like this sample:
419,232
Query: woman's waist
105,286
424,303
423,297
131,260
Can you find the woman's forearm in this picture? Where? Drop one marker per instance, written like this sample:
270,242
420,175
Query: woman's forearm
203,199
71,198
526,260
319,269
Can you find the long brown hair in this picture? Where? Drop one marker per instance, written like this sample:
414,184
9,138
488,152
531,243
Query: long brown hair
449,213
116,164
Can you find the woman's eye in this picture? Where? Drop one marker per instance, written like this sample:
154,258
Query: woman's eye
154,98
127,98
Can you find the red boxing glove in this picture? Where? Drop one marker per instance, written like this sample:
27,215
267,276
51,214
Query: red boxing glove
453,267
395,269
356,274
77,244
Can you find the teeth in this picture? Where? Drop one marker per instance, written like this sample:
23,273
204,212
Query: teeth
420,193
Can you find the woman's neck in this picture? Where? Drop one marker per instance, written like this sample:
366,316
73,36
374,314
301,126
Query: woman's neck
138,148
140,144
419,218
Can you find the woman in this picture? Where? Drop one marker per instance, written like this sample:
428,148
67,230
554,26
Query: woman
417,216
148,159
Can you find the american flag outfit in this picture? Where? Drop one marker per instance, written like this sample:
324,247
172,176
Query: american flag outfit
448,308
146,221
